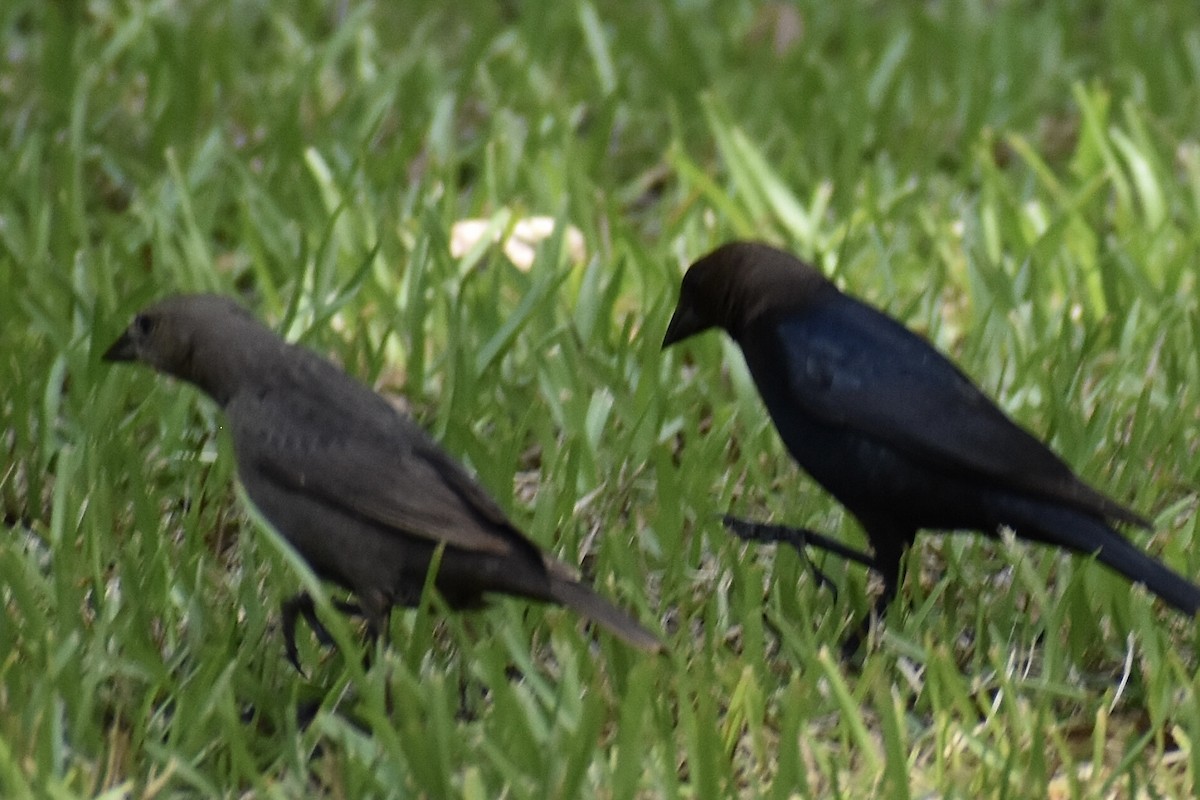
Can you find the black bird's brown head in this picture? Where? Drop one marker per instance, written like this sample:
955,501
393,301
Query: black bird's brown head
736,283
205,339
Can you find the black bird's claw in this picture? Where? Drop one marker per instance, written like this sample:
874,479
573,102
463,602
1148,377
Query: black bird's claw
800,539
750,531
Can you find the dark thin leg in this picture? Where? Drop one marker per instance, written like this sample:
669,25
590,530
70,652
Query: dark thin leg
301,606
888,551
800,539
376,609
348,607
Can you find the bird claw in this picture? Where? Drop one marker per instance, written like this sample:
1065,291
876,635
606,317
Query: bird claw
800,539
289,611
300,606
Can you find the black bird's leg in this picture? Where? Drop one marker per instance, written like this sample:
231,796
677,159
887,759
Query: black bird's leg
888,551
800,539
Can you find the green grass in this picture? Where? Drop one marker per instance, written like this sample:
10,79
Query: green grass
1018,181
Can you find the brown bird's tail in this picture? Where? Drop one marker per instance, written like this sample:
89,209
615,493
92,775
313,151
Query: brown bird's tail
574,595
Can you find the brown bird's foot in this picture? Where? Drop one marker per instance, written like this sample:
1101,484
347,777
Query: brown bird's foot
290,610
306,712
301,606
799,539
308,708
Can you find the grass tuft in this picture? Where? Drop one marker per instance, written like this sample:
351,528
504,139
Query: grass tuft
1019,182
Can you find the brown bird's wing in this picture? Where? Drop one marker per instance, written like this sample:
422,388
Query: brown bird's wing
853,366
313,429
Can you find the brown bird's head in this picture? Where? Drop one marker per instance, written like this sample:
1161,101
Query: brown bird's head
205,339
736,283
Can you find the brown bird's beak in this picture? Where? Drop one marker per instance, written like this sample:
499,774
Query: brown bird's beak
684,323
121,350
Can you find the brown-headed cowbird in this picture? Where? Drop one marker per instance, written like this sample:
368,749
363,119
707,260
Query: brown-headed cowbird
891,428
358,489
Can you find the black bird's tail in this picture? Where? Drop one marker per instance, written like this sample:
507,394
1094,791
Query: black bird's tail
1087,535
1175,590
580,598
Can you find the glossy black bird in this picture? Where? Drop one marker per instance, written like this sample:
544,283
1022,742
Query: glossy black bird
891,428
359,490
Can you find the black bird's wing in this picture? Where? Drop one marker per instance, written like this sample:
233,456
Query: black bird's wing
852,366
313,429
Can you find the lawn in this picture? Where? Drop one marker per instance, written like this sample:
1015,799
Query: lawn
1018,181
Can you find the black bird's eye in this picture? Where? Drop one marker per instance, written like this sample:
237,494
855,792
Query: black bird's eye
144,324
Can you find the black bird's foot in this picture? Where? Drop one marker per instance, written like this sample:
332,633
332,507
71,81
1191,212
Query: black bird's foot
852,644
799,539
749,531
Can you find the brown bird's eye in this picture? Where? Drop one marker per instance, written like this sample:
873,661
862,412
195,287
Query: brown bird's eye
144,324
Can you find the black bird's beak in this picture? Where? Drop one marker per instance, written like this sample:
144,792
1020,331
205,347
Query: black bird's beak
121,350
684,323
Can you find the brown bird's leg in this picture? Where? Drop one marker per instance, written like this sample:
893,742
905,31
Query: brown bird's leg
800,539
301,606
291,609
376,608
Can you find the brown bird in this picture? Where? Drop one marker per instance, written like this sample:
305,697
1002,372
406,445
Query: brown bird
358,489
891,428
